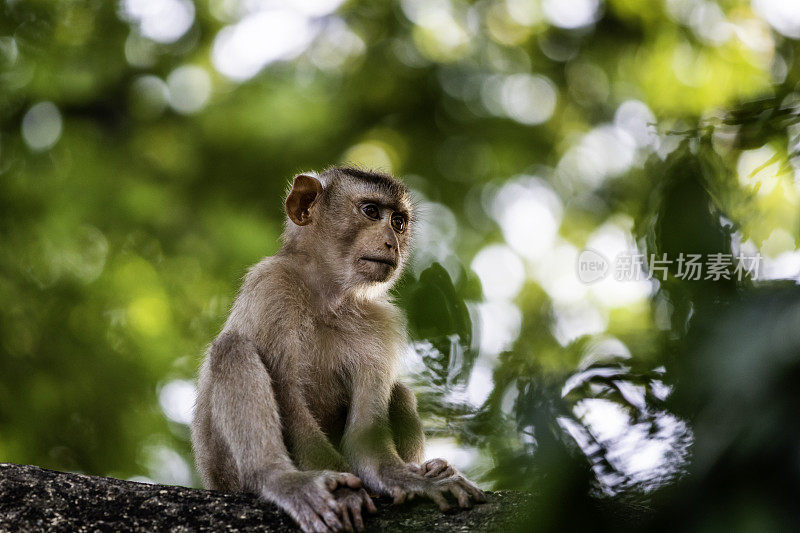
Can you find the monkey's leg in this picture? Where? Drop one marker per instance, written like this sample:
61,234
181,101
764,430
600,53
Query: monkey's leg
370,446
409,438
308,445
245,414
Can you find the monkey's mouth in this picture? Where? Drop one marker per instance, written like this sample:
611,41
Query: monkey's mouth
390,262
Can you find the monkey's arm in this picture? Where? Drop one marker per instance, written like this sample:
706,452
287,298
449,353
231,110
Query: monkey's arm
237,433
309,446
275,299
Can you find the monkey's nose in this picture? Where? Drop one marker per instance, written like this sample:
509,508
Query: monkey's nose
389,245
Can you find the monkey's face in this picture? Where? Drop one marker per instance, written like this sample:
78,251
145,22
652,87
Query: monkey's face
358,227
380,244
375,237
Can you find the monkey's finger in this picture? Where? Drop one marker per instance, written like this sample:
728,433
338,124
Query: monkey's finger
436,470
461,495
436,466
304,516
399,495
349,480
320,505
346,523
331,519
411,495
358,521
320,527
344,479
308,526
439,499
370,505
477,494
333,504
312,522
305,525
432,463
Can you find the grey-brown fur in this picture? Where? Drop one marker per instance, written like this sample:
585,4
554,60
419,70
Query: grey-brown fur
298,394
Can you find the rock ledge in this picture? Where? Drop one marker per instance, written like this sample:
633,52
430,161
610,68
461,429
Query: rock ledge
35,499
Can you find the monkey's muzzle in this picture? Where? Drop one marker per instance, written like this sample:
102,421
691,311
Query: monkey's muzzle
382,260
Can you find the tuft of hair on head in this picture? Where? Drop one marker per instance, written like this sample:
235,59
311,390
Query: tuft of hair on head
380,180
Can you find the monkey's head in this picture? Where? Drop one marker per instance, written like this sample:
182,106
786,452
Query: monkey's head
355,224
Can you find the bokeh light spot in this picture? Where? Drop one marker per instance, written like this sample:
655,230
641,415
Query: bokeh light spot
373,154
500,270
499,324
242,50
41,126
529,213
177,400
528,99
189,89
758,168
163,21
783,15
570,14
149,315
148,97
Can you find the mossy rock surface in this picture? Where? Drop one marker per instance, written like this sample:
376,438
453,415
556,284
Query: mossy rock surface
35,499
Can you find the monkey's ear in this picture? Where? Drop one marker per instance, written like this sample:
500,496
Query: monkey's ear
305,190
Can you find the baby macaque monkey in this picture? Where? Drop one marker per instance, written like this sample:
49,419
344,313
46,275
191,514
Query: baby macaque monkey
298,396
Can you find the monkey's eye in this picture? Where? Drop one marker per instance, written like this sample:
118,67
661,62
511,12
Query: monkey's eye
371,211
398,223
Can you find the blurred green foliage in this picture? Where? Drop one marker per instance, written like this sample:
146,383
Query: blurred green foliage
145,147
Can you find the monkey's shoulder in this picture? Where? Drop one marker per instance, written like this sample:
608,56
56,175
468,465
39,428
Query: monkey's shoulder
273,280
271,269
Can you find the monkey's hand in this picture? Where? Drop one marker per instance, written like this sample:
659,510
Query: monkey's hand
308,497
350,502
406,481
438,469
